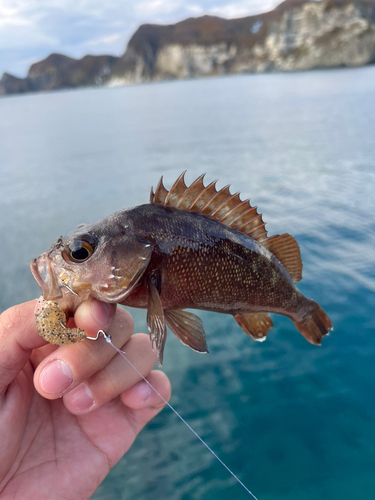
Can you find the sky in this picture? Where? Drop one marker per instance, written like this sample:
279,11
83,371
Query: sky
30,30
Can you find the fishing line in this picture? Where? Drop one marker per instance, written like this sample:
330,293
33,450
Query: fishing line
109,340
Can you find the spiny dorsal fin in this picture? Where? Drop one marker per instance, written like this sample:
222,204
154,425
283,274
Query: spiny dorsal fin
285,248
219,204
176,191
160,193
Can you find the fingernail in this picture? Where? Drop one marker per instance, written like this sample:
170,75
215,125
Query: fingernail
79,399
102,313
56,377
143,390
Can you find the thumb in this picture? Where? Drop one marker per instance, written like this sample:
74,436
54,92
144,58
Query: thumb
18,337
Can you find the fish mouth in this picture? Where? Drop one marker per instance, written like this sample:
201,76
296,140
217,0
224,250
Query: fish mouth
44,274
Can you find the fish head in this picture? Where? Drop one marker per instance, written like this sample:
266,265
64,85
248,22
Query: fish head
101,260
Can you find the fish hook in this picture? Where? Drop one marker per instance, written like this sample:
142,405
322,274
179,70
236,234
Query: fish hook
70,290
106,335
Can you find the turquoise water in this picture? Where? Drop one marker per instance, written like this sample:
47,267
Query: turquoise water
293,421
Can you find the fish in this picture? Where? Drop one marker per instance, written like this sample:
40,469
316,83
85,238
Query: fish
192,247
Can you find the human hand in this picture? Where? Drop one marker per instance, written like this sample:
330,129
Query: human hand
68,414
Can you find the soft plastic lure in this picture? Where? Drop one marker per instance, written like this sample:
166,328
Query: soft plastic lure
50,321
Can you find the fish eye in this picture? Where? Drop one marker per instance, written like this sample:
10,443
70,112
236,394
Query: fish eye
79,250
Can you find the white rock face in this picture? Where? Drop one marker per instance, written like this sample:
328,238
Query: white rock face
309,37
180,61
301,38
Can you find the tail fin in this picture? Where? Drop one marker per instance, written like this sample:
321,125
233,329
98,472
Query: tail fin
315,325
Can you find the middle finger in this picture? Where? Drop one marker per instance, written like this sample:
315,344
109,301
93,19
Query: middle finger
115,378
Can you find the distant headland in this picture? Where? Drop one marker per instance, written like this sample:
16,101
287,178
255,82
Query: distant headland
296,35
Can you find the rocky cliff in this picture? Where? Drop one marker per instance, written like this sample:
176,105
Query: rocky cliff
297,35
60,72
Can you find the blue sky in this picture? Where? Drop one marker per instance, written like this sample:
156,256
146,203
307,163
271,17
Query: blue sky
30,30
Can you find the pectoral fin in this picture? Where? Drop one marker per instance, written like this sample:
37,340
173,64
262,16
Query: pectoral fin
188,328
156,321
255,325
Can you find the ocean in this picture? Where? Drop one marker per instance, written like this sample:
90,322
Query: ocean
293,421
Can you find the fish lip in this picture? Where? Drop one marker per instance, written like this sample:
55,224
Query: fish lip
49,285
34,271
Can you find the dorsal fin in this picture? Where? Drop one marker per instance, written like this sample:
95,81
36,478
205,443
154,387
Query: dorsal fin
285,248
221,205
176,191
160,193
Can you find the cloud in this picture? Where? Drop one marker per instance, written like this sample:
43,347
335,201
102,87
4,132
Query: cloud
244,8
194,9
105,40
18,33
155,7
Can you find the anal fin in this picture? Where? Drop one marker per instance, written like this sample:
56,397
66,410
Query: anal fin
156,321
188,328
255,325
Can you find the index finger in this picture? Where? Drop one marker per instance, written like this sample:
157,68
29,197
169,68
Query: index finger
18,337
68,366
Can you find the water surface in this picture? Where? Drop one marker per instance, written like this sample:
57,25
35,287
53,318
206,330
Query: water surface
293,421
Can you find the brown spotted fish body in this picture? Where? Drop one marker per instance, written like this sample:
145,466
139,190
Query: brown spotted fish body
191,247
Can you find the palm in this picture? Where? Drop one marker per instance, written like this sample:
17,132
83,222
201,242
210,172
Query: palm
57,445
44,447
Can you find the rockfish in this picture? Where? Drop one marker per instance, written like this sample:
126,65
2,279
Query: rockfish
190,247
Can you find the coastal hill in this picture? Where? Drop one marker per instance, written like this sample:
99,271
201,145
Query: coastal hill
60,72
296,35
